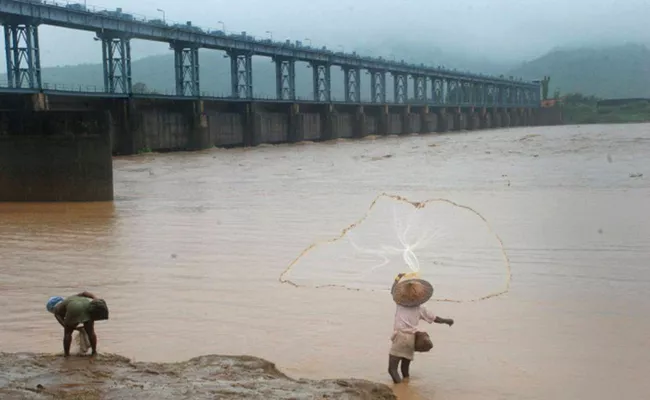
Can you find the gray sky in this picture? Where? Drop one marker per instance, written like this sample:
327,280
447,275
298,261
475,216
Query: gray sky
502,30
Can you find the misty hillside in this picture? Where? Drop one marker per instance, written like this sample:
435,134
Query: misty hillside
609,72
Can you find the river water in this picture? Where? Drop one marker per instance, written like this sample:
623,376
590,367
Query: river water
189,254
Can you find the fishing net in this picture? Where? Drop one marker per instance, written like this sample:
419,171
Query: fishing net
451,245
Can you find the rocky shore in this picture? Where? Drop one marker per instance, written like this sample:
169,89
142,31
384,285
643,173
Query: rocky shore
107,377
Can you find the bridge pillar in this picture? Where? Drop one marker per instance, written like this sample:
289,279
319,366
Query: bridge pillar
514,117
352,84
383,120
56,156
23,57
361,126
322,82
296,125
486,119
407,127
241,75
116,60
400,88
472,121
460,120
378,86
200,135
252,123
496,118
285,78
429,120
443,121
329,123
186,68
505,119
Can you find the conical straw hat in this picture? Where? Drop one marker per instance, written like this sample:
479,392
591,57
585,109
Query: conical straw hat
412,292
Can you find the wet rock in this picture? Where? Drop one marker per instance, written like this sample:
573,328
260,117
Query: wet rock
108,377
638,175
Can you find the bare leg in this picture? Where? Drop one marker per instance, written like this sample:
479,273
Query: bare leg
90,330
393,362
67,340
405,367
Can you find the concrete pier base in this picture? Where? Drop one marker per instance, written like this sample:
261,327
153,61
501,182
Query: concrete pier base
56,162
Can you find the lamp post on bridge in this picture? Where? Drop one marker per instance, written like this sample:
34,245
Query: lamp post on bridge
163,14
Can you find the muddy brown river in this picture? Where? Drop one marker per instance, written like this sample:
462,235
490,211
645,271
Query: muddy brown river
189,254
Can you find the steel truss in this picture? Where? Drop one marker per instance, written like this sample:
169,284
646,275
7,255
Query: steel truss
378,86
241,75
400,88
322,82
186,68
117,64
285,78
22,54
420,89
352,84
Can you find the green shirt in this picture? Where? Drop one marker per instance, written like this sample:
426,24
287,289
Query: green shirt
77,310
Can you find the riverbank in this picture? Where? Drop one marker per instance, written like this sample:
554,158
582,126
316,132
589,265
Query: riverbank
108,376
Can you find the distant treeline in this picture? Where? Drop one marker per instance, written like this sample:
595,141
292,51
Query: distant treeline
581,109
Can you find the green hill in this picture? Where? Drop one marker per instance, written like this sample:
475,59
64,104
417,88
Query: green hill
607,72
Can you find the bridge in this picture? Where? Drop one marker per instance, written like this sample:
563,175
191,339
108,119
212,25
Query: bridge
56,143
115,29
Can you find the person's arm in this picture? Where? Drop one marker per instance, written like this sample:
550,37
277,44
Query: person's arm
59,312
87,294
447,321
430,317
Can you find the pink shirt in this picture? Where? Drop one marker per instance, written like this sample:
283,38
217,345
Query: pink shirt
407,318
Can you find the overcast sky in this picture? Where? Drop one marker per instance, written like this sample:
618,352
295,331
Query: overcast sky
504,30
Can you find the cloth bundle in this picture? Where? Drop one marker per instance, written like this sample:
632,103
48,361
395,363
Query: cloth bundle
83,341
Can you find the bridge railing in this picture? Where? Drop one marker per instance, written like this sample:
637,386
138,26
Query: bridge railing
98,90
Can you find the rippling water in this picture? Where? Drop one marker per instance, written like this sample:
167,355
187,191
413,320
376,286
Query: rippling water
189,255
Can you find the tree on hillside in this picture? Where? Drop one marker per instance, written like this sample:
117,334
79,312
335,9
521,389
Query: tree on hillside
140,88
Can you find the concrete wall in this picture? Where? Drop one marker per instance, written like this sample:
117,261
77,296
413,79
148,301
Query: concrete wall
345,125
171,124
226,129
372,125
394,124
274,127
56,168
164,130
416,123
311,126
